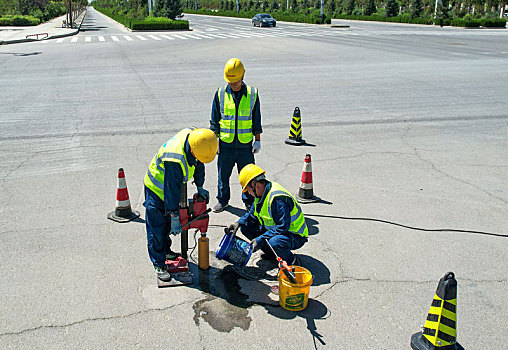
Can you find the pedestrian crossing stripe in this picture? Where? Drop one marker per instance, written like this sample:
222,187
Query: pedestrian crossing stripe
324,32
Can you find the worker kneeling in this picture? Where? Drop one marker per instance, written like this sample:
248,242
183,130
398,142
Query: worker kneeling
275,216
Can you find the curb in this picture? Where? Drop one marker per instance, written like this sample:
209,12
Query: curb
17,41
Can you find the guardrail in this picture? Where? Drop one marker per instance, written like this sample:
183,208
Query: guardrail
37,36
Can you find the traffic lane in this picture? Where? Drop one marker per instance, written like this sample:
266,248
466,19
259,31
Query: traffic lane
97,23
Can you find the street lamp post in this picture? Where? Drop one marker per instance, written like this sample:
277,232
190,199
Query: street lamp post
322,12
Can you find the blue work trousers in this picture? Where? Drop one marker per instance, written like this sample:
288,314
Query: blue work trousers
158,227
283,244
228,157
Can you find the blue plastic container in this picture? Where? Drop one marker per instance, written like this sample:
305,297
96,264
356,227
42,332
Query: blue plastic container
234,250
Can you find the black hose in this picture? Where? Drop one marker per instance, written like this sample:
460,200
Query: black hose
406,226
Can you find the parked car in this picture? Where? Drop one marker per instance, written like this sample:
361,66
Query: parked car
263,19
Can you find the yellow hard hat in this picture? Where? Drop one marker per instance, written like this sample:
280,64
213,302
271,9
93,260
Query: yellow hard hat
249,173
203,144
233,71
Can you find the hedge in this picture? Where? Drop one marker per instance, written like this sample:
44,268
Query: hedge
380,18
159,23
477,23
313,17
148,23
18,20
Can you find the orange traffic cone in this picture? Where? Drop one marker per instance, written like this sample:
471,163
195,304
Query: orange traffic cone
306,192
123,212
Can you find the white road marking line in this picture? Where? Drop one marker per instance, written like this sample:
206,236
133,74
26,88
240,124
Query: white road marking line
88,39
128,38
167,37
114,38
60,40
73,40
208,36
180,37
101,38
141,37
192,37
154,37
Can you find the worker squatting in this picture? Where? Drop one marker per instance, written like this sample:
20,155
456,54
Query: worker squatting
273,214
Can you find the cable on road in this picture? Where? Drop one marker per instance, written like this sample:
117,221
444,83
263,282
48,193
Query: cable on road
406,226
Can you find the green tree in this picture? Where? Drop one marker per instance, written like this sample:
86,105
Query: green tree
392,8
350,6
370,8
416,8
168,8
294,6
274,5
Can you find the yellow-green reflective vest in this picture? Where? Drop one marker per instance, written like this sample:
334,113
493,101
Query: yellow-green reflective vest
172,151
298,225
228,118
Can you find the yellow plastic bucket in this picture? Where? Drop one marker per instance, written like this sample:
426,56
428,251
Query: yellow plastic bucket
294,296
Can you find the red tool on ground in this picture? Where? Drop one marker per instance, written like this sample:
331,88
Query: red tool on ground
284,266
193,214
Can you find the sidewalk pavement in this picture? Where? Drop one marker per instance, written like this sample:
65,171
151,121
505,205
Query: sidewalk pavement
51,29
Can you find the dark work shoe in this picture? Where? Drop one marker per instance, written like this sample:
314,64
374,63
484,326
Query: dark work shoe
219,207
162,273
171,255
248,206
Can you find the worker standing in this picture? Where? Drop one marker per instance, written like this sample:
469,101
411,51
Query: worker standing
236,120
178,161
275,216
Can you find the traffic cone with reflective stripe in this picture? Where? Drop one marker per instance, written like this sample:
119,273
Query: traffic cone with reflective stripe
440,329
123,212
306,192
295,133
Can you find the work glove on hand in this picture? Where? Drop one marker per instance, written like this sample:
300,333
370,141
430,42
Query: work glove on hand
254,245
233,228
204,193
176,227
256,147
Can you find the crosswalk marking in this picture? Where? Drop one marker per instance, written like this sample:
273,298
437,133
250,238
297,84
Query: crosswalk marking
247,32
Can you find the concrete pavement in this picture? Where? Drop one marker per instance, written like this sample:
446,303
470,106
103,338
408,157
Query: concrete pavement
51,29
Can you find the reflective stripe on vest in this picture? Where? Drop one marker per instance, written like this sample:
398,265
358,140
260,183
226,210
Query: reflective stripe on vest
172,151
297,226
230,123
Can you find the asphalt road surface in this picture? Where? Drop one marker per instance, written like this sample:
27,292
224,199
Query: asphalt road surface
408,132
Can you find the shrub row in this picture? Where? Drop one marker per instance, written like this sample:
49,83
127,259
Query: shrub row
380,18
148,23
476,23
19,20
159,23
313,17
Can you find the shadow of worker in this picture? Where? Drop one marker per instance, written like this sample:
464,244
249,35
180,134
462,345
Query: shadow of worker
315,310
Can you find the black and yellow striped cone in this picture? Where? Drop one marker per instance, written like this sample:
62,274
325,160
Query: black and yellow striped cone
440,329
295,133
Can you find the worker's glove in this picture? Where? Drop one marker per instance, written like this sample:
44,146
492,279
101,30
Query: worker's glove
254,245
256,146
233,228
176,227
204,193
